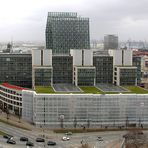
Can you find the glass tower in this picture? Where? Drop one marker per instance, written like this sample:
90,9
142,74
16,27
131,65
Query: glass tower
65,31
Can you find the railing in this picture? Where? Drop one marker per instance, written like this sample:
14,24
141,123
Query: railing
123,143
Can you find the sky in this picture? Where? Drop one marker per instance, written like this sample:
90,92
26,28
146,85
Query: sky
25,20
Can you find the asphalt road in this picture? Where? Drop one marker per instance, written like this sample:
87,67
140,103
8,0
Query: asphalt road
74,142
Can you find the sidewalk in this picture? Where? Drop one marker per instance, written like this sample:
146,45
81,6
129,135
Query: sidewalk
20,123
14,120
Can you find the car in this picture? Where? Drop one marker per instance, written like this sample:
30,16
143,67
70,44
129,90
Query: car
23,139
68,133
40,140
51,143
100,139
29,143
7,136
65,138
10,141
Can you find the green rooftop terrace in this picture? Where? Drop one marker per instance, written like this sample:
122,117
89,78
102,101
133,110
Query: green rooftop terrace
47,89
136,89
92,90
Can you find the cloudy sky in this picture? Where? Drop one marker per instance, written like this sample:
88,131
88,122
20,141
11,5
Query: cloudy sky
25,20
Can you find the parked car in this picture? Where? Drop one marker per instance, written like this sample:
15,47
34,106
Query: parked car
65,138
51,143
23,139
40,140
68,133
100,139
10,141
29,143
7,136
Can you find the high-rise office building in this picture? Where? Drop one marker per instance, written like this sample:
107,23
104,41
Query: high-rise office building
110,42
65,31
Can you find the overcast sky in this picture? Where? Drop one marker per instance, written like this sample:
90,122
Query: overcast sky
25,20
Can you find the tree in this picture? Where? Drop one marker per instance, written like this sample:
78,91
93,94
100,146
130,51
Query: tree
75,122
88,123
61,121
7,112
19,116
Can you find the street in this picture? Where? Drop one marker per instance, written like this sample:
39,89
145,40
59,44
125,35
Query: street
74,142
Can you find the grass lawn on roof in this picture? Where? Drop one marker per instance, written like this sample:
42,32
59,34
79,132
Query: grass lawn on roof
46,89
90,89
136,89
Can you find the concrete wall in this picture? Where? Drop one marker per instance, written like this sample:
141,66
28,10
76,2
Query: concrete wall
36,57
47,57
117,56
77,56
127,58
88,57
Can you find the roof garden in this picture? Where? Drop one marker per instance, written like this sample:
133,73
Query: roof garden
44,89
92,90
136,89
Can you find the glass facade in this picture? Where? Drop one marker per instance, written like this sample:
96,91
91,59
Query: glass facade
107,110
137,63
104,69
128,76
43,76
86,76
62,69
65,31
16,69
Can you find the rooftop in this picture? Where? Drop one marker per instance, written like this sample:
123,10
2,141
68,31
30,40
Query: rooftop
93,90
12,86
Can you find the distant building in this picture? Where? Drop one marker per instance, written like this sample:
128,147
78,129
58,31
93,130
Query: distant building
144,70
65,31
110,42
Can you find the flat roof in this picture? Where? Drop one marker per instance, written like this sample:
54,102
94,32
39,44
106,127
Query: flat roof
105,89
13,86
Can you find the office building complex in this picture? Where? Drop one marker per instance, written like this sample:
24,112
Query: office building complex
65,31
68,59
110,42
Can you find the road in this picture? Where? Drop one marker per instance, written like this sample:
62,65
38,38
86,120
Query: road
74,142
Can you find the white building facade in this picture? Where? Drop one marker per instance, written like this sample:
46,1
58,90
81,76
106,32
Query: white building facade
99,110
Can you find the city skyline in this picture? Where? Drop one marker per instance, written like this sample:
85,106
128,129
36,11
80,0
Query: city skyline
26,20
